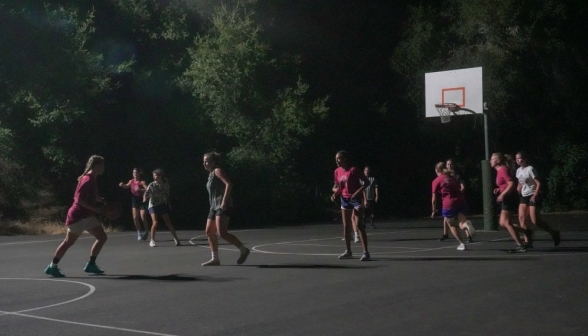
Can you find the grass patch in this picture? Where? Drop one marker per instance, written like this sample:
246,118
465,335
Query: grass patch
15,228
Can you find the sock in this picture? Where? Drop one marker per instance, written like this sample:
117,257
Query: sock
356,234
214,255
55,262
92,260
243,249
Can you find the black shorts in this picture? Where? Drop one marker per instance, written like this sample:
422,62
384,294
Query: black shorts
509,203
137,203
219,212
527,200
370,209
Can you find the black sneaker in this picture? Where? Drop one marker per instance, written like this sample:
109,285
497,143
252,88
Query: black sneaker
443,237
529,234
528,245
556,238
518,249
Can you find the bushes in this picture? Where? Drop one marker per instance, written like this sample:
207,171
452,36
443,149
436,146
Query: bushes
567,182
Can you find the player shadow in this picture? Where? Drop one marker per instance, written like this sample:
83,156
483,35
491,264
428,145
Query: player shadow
463,258
307,266
158,278
405,239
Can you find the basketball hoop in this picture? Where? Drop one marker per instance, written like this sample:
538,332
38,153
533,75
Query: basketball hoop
445,111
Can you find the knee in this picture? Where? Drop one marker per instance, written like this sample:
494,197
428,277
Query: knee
223,234
210,232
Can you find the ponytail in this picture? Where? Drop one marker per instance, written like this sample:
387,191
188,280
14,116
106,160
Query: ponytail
92,162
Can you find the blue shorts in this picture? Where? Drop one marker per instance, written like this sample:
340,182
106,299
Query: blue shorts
351,203
160,209
450,213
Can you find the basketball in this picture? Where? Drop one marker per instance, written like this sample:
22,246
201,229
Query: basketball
112,211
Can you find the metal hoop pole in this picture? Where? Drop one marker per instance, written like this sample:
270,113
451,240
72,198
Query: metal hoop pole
486,136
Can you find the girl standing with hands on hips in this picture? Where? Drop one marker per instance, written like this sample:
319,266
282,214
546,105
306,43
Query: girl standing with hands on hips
158,194
219,188
349,187
138,186
82,216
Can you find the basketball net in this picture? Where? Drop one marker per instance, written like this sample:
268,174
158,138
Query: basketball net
445,111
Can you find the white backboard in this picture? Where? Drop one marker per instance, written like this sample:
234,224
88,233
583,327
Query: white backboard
461,86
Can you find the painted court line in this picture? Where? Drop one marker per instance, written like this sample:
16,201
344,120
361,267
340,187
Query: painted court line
92,289
88,324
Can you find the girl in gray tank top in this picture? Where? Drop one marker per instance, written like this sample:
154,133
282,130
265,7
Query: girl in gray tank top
219,188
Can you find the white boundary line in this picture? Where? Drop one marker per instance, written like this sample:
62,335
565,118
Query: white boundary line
90,292
59,240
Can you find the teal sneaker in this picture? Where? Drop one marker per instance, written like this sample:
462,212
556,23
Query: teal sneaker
54,272
93,268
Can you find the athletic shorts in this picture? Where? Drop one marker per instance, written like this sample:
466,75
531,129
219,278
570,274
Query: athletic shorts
450,213
351,203
160,209
509,203
137,203
370,209
85,224
220,212
527,200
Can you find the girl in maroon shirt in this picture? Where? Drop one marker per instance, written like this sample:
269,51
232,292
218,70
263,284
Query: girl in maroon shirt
81,217
507,200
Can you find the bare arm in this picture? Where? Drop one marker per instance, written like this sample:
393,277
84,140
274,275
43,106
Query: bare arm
506,191
87,205
537,188
228,185
377,194
125,186
433,205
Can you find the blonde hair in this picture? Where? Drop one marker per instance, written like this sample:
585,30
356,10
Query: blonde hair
441,167
505,160
92,162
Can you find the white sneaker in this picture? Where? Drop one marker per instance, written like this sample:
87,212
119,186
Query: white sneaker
356,239
152,243
471,228
461,247
139,236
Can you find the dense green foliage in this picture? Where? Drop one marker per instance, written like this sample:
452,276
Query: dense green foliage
278,87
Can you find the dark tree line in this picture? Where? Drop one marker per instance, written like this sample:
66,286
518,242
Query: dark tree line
279,86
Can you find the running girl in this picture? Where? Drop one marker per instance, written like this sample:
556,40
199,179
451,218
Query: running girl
219,188
453,203
139,207
530,202
81,216
451,167
507,199
158,194
350,189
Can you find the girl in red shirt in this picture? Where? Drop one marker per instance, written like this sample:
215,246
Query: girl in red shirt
139,207
350,189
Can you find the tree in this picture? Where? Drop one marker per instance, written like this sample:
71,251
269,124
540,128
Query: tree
255,101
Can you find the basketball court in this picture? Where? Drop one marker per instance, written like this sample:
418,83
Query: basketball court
293,284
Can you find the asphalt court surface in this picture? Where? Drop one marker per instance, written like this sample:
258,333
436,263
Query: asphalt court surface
293,284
